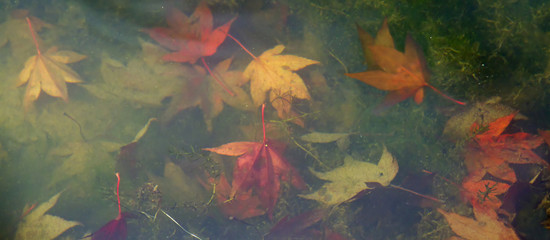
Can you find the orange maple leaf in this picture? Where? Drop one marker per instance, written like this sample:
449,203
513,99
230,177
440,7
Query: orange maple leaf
483,193
402,74
491,151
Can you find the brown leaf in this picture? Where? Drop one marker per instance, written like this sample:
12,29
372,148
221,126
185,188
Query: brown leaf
209,95
484,226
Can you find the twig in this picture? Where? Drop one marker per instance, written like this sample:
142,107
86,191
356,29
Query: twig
182,228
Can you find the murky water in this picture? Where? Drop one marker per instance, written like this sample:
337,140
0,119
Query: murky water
142,88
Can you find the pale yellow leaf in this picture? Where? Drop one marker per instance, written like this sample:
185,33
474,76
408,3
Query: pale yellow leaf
350,179
38,225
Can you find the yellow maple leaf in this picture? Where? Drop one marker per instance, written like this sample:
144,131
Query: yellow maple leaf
48,72
274,73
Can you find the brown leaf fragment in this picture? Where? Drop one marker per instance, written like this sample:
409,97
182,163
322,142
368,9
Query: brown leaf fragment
484,226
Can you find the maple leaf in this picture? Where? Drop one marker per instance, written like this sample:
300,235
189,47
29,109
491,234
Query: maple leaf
116,228
458,127
402,74
191,37
483,193
209,96
491,151
545,134
244,205
348,180
145,79
484,226
48,72
179,185
289,228
260,167
39,225
15,32
275,73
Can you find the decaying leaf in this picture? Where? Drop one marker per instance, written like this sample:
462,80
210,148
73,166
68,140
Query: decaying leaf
16,32
210,96
482,113
320,137
179,186
348,180
275,73
80,159
144,80
342,139
38,225
484,226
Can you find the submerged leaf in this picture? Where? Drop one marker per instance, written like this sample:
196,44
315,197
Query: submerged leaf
348,180
485,226
38,225
320,137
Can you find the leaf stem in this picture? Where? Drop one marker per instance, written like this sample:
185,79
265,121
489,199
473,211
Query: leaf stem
33,36
118,196
417,194
445,95
263,123
216,78
242,46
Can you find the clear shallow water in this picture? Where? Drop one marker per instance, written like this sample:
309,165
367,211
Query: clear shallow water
473,51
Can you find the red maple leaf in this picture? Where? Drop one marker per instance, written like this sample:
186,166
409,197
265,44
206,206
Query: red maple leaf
116,228
260,167
191,37
243,206
491,151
